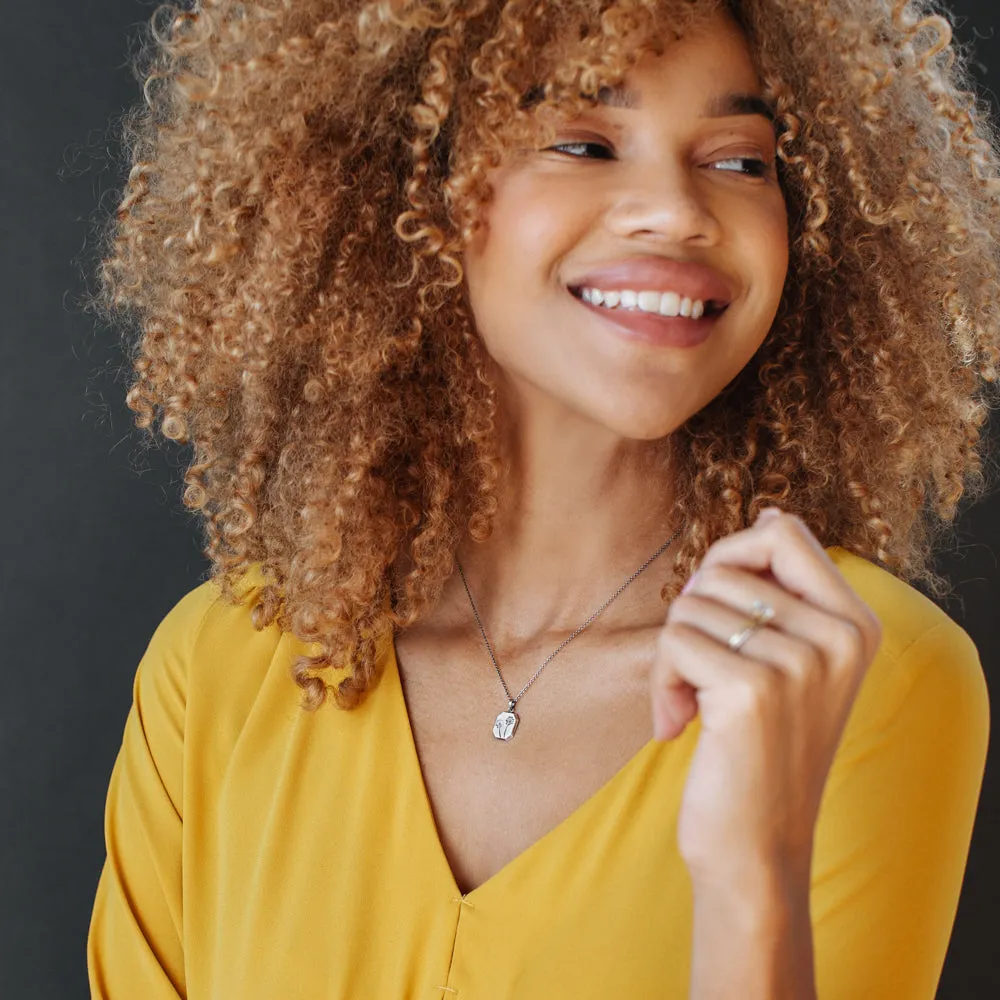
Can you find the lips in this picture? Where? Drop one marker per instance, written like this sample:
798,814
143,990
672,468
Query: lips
663,274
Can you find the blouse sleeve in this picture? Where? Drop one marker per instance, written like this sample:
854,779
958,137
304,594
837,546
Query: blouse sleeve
135,946
895,823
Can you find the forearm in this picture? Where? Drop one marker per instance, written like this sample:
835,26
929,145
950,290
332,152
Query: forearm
752,940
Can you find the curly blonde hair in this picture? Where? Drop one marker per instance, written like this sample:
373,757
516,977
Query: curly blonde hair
304,177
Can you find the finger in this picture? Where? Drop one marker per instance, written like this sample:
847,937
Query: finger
784,546
793,653
727,594
673,709
687,656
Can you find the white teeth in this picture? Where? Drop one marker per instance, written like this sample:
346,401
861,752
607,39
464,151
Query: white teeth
664,303
649,302
670,304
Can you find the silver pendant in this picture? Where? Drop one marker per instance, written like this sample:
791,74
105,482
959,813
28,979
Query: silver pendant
506,723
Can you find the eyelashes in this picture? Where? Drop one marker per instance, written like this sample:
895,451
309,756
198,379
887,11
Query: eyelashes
752,165
757,168
582,145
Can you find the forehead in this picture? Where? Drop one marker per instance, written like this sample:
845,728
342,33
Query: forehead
715,49
707,61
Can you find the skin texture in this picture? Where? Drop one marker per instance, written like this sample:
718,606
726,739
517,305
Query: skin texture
581,510
659,180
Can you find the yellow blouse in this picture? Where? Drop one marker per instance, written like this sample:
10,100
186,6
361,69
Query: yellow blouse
259,852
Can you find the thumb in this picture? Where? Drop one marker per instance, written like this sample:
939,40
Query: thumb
674,706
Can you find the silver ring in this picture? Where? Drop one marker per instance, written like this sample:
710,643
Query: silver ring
760,614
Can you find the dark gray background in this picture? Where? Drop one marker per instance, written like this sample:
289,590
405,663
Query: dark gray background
95,546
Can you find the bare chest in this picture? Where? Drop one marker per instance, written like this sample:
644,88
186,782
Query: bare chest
581,721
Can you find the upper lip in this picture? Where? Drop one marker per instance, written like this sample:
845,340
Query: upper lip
659,274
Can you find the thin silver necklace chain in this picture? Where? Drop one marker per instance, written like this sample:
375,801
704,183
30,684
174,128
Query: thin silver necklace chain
509,725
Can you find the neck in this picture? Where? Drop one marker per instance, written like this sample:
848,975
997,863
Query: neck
581,510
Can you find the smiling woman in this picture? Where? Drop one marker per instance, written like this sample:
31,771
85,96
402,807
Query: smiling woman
665,212
469,312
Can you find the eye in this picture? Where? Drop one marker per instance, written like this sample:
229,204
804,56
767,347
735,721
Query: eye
751,166
566,146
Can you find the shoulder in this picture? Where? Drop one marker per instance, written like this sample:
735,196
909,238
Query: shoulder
899,802
202,621
905,613
206,662
927,671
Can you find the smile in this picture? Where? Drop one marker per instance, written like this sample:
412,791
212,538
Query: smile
652,317
660,303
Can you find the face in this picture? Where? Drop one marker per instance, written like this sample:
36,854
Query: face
667,187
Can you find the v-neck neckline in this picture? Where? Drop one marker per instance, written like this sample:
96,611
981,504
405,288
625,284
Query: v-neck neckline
535,847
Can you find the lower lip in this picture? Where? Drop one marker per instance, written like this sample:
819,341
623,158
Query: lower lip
651,328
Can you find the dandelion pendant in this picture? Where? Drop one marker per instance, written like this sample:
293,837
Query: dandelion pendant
506,723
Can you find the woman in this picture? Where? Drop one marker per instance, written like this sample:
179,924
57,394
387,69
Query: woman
471,311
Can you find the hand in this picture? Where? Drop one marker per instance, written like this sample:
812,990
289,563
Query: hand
772,714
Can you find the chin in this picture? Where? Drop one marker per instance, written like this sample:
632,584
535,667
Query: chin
640,427
650,433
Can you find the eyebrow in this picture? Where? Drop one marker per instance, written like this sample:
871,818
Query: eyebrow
721,106
735,103
618,97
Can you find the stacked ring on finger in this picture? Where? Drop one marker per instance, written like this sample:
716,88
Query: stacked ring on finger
760,614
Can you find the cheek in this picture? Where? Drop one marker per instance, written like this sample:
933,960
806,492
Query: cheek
535,220
523,225
778,232
515,257
765,250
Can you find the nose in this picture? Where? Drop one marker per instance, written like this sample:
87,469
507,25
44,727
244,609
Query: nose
664,204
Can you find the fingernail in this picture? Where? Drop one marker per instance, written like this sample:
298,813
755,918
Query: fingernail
768,512
691,582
